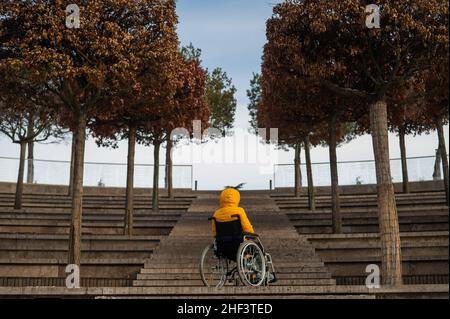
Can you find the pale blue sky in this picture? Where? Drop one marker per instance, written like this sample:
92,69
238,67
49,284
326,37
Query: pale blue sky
231,35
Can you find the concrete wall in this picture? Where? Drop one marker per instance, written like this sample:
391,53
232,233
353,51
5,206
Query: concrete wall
59,189
425,186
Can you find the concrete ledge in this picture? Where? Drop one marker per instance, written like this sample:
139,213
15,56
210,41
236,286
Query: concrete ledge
424,186
85,237
189,292
41,261
6,187
374,235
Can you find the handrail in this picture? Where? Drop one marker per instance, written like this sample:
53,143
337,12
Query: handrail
361,161
90,163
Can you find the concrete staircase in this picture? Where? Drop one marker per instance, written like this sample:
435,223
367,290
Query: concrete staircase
418,212
175,263
102,215
162,259
424,224
425,256
34,240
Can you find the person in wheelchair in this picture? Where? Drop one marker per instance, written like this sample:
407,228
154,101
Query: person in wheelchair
231,235
230,224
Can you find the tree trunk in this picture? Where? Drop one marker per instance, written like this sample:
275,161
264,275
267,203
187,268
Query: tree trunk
335,198
77,194
443,152
311,196
128,229
155,193
72,160
391,257
169,168
298,172
401,135
437,175
19,184
30,163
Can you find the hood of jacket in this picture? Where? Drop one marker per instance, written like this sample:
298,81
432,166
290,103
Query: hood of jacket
230,198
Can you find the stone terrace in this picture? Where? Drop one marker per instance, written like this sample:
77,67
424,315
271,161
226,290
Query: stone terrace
33,240
423,218
161,260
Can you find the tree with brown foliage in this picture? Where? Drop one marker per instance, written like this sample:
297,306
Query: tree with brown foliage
84,67
187,105
435,107
405,102
220,98
25,118
329,44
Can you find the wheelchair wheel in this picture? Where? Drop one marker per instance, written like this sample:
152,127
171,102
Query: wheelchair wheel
213,269
251,264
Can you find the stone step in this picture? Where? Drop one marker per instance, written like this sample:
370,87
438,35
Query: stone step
196,276
137,223
118,216
51,201
46,245
371,221
298,292
199,283
377,259
195,271
442,243
287,248
64,230
363,199
99,197
90,268
163,256
96,208
360,197
94,237
362,202
413,194
306,230
39,282
91,212
368,213
91,254
156,264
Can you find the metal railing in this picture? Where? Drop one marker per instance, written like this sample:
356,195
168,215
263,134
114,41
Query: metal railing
356,172
95,174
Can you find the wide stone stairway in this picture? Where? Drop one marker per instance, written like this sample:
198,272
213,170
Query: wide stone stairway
162,258
34,239
175,263
424,224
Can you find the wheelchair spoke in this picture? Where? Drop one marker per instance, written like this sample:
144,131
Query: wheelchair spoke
252,264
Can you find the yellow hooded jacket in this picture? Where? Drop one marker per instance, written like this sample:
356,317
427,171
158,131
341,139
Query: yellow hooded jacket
229,205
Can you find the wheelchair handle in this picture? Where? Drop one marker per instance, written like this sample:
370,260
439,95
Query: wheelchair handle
246,234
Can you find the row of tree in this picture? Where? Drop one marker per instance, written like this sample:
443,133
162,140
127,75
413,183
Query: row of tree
121,75
326,77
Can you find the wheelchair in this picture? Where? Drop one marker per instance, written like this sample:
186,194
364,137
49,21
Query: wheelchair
251,265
